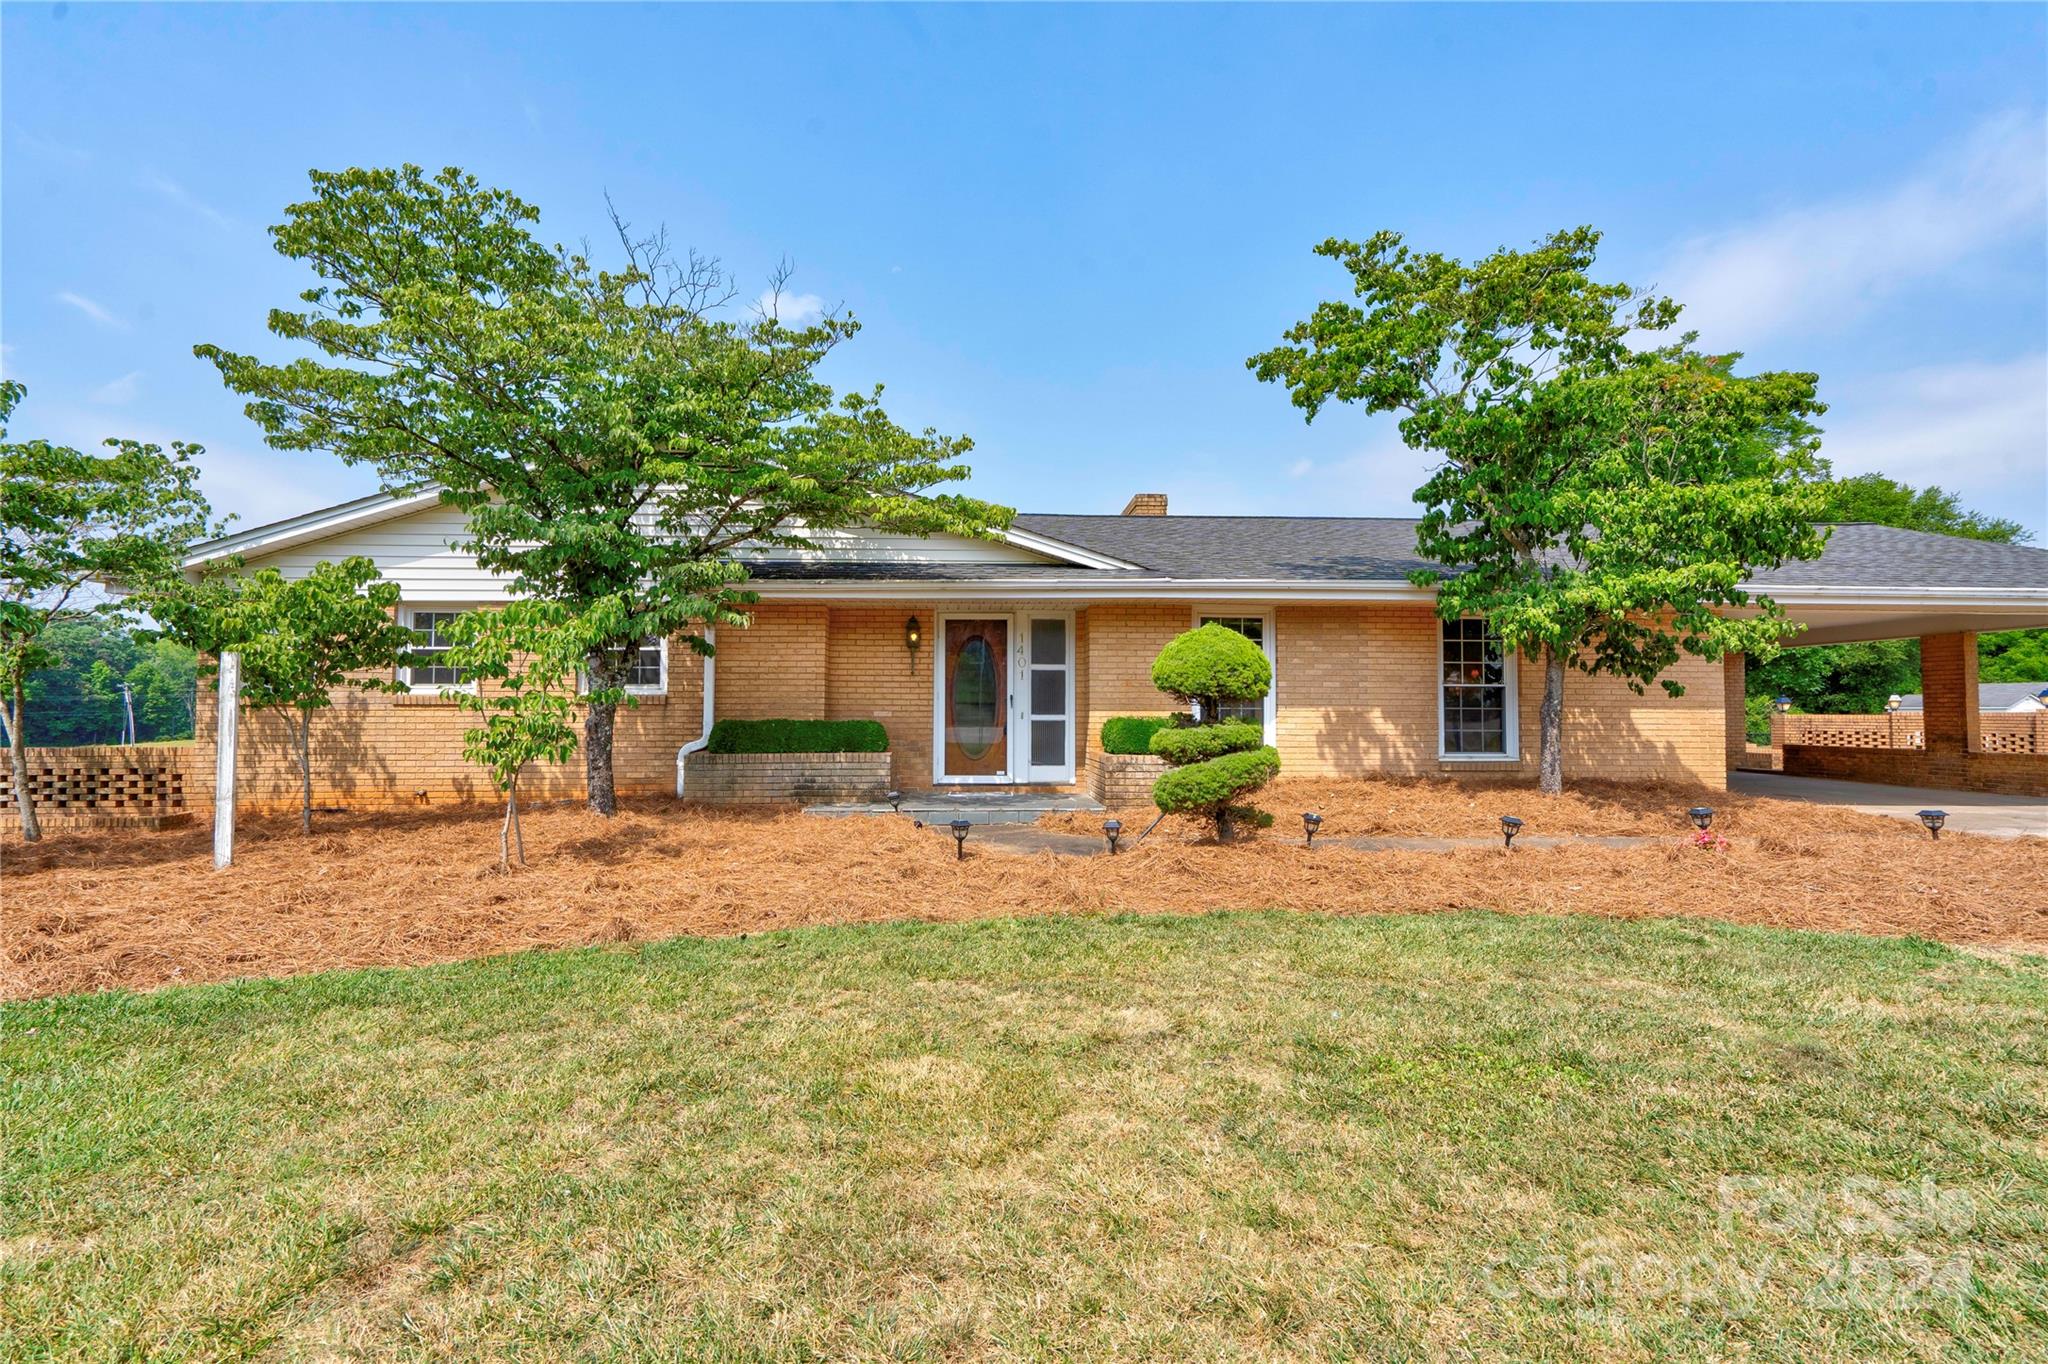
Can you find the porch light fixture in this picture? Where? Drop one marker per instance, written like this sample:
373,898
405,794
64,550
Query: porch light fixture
1310,824
895,799
1509,827
1782,704
1112,829
913,637
1934,819
1702,816
960,828
1894,701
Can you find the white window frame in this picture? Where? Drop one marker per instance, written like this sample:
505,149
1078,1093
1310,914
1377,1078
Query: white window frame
1063,772
409,610
1511,701
660,689
1270,707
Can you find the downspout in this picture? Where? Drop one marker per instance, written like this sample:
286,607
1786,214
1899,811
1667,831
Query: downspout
696,745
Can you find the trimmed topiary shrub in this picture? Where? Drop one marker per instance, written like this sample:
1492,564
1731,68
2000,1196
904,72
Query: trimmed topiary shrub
1202,742
1216,783
1132,733
1210,666
1218,763
798,736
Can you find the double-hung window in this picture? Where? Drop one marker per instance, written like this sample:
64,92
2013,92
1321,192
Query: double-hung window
648,672
646,669
1256,627
429,628
1476,693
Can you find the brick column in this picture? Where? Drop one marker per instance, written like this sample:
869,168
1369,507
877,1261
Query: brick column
1735,708
1948,681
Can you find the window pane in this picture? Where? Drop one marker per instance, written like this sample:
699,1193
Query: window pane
1475,690
1048,691
1048,743
645,669
1048,641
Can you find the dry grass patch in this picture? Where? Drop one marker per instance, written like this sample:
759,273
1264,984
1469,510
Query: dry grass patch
137,909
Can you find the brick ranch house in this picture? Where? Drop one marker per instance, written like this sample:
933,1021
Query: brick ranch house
994,662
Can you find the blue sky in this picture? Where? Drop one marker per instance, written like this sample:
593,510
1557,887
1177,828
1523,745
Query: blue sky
1065,228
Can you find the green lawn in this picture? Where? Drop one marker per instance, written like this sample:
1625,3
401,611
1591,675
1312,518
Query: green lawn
1248,1135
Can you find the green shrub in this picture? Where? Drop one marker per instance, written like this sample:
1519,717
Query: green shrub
1132,733
1211,665
1183,746
798,736
1216,784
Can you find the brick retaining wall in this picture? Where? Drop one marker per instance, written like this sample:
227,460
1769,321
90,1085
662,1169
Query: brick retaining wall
2005,774
783,778
1123,780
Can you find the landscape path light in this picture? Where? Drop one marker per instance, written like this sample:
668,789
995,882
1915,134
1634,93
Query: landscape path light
1934,819
1509,827
960,828
1112,829
895,799
1702,817
1310,823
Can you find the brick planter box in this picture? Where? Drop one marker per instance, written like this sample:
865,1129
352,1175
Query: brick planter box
1121,780
785,778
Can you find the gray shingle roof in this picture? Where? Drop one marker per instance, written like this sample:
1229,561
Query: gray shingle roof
1312,548
1382,549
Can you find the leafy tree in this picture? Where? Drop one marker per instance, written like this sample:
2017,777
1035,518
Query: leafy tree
2013,656
1598,505
300,639
614,437
1216,762
66,707
70,521
530,650
1887,502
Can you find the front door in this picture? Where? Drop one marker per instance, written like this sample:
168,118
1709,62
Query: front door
975,729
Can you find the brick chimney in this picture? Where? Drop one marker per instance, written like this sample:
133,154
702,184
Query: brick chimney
1146,504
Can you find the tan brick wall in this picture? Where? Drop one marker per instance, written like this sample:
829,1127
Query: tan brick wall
111,780
871,675
2010,774
1357,694
775,668
1122,640
378,749
1948,686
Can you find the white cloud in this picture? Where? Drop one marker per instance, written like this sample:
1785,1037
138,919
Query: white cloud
92,310
1300,468
178,194
792,309
48,150
1817,267
1978,430
117,392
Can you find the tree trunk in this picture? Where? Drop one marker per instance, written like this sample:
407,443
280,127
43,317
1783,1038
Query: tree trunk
17,752
597,735
305,737
518,834
505,829
1550,753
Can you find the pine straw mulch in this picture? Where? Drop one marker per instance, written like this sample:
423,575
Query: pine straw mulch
132,909
1420,808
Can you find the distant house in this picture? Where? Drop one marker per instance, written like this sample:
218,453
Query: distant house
2013,698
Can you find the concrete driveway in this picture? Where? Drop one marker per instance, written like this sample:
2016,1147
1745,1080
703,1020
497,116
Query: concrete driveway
2001,816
